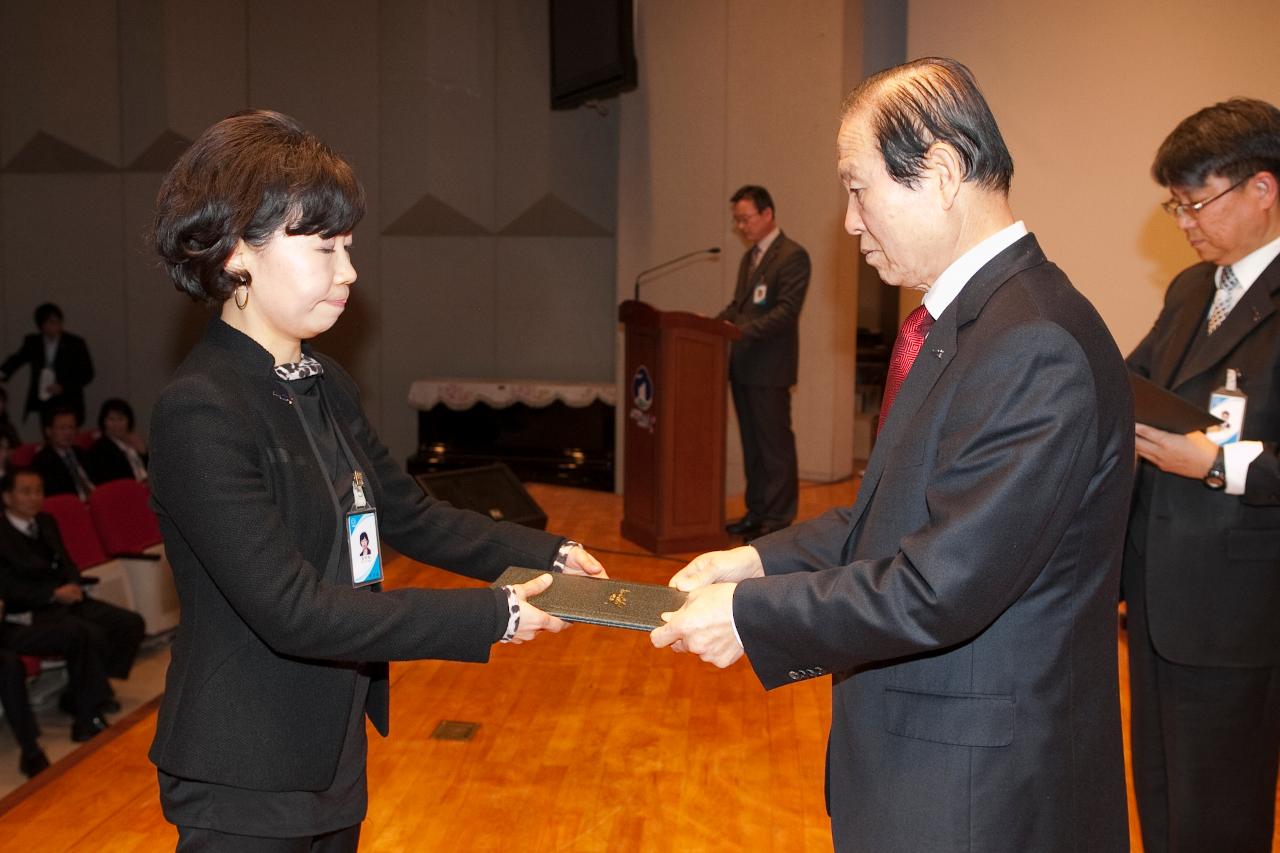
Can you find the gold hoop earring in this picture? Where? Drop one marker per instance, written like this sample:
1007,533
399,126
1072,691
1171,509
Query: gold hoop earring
241,303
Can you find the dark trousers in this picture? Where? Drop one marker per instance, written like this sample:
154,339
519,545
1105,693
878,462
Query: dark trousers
768,451
16,703
87,686
1206,744
195,840
115,632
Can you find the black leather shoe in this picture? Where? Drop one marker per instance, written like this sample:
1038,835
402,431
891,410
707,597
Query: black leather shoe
744,526
30,765
81,732
767,527
67,703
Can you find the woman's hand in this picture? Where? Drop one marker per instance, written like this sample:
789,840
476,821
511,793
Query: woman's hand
532,620
579,562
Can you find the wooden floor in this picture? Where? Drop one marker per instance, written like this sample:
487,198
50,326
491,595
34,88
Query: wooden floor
588,741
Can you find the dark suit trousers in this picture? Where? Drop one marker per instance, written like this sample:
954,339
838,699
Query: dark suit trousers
768,451
1206,742
116,632
87,674
196,840
16,703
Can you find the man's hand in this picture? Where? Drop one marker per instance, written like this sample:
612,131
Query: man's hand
579,562
532,620
1189,455
68,593
704,625
732,566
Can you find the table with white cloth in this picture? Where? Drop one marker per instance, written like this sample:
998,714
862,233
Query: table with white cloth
545,431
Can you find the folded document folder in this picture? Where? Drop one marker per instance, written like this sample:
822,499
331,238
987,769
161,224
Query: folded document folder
611,602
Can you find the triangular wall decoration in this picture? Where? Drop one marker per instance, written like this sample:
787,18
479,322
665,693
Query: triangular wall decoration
45,153
431,217
160,154
551,216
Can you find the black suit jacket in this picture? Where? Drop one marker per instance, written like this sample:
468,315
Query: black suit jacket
29,575
1207,563
766,307
54,471
105,461
71,365
262,677
965,604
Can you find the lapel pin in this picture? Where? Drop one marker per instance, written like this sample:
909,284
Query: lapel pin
938,353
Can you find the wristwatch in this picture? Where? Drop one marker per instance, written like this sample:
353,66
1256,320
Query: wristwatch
1216,479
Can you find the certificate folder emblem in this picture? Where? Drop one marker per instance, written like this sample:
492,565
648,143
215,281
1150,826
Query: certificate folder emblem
611,602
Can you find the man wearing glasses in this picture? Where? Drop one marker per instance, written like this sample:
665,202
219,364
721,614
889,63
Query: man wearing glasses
1202,560
772,279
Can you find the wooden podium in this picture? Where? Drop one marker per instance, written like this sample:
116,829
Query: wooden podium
673,399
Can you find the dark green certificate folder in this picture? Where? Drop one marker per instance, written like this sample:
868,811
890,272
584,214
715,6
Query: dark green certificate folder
615,603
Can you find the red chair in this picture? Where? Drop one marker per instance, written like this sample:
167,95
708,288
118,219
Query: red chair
122,515
22,455
78,534
86,437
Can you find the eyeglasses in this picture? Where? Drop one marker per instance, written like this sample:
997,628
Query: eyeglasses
1175,208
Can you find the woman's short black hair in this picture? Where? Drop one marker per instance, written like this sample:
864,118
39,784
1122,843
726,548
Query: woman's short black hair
114,404
247,177
46,310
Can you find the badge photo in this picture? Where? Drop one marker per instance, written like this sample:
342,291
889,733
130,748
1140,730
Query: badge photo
761,293
366,551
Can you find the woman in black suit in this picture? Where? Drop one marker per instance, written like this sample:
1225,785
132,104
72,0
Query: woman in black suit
260,455
119,453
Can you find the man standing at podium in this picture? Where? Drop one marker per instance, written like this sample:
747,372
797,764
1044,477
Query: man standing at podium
772,279
965,605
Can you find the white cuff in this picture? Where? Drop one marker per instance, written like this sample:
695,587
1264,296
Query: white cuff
1238,456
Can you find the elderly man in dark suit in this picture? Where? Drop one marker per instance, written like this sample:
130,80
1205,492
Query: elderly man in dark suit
772,279
48,613
59,361
965,605
1202,563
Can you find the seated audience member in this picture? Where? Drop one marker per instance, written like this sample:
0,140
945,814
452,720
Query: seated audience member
60,463
17,710
119,453
59,362
48,613
8,432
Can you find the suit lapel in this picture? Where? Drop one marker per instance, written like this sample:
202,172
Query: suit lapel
936,355
1186,324
1255,306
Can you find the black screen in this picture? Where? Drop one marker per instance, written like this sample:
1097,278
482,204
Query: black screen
592,50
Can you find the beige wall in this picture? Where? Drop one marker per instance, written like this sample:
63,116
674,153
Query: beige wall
487,249
1085,92
730,93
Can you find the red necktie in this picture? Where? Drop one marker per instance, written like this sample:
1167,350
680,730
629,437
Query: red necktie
905,349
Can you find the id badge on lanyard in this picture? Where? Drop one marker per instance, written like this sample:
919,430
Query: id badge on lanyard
362,537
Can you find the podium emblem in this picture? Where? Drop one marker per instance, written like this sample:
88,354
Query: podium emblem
642,389
619,598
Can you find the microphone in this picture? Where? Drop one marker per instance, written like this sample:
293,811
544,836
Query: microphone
714,250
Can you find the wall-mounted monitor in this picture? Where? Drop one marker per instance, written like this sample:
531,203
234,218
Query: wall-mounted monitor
592,50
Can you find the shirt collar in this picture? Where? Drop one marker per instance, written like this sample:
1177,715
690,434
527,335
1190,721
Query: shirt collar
953,279
1251,266
22,525
767,240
